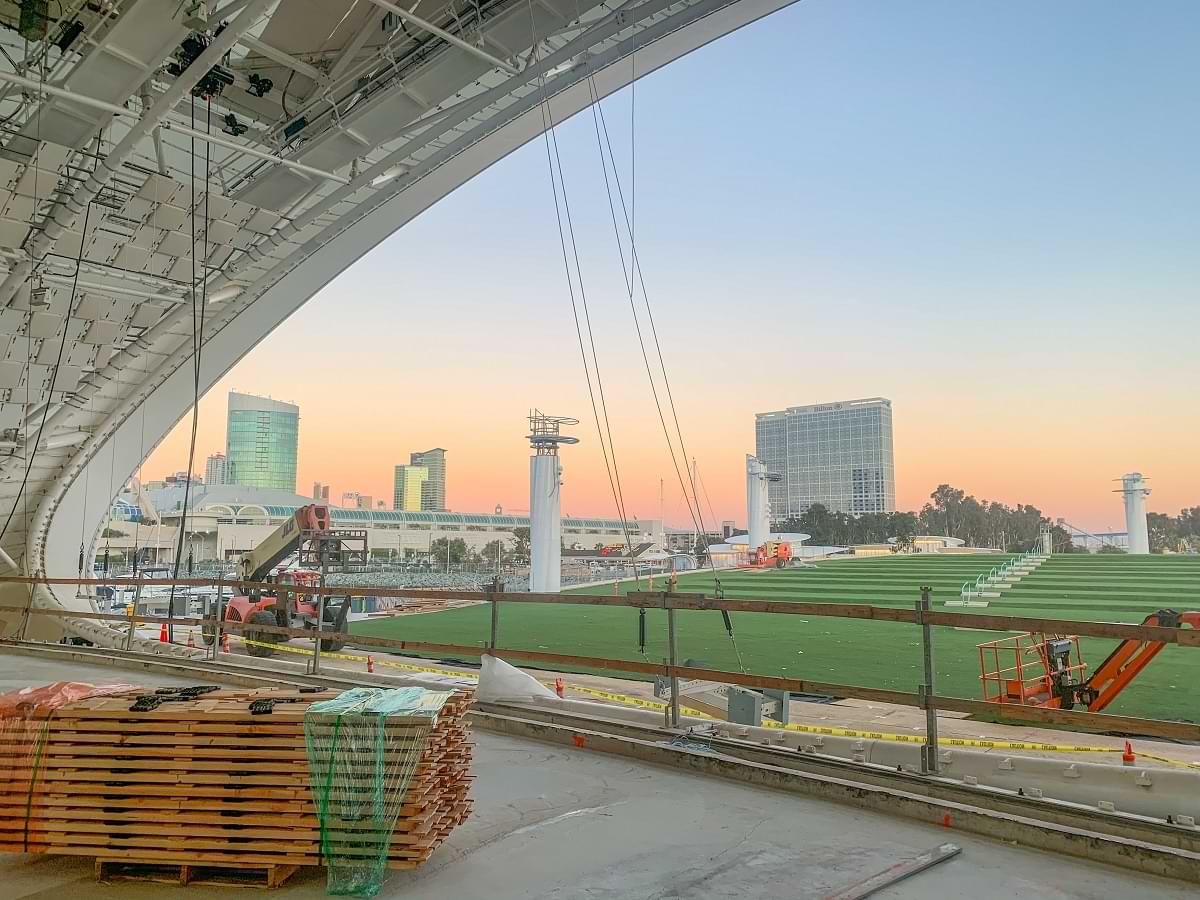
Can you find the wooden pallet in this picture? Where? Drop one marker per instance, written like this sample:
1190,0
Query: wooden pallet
205,783
187,873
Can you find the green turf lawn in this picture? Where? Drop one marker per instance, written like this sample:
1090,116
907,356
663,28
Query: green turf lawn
849,651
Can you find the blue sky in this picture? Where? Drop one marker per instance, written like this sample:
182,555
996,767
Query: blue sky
985,211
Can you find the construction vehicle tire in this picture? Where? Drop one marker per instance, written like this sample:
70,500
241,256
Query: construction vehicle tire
259,638
779,562
335,617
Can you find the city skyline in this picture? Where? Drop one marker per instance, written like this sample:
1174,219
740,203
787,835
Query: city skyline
1003,251
676,515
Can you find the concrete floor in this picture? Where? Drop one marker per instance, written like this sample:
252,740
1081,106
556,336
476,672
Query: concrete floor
556,823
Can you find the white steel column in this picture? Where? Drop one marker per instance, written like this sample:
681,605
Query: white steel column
545,500
758,521
1133,486
545,520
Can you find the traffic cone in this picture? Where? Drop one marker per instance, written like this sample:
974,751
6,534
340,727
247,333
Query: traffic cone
1128,758
191,641
162,634
370,665
558,686
225,642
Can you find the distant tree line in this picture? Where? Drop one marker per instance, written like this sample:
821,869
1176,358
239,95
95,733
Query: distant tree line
950,512
1174,534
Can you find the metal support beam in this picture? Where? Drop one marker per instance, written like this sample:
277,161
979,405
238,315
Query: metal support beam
216,140
445,35
51,90
673,661
284,59
66,211
352,49
926,691
251,151
147,97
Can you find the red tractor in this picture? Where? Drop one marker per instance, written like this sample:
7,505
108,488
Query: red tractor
307,534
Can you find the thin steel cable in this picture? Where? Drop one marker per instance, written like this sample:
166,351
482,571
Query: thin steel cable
87,480
30,452
547,133
137,527
198,310
590,334
636,270
636,267
31,449
628,274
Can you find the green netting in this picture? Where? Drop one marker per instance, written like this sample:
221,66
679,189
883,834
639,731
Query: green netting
363,747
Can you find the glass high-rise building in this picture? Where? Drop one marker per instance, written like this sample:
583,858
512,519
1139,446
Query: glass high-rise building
433,491
408,488
835,454
421,485
261,436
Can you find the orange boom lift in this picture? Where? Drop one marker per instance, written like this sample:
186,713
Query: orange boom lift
1039,669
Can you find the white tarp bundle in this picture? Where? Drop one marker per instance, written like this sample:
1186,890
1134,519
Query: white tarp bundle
501,683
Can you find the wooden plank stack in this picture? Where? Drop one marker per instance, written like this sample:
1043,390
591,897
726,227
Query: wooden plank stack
204,782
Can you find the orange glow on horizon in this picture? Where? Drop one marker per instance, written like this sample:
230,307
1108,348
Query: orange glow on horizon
1066,468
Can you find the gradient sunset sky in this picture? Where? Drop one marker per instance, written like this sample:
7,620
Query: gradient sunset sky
987,213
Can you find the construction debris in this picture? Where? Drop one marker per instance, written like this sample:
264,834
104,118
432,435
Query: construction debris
893,875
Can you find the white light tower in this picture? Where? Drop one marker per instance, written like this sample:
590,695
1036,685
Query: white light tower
758,506
1133,486
1047,539
545,500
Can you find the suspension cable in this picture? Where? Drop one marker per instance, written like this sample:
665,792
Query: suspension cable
634,275
602,422
198,310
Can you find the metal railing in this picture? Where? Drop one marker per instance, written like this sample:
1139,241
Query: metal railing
995,574
925,696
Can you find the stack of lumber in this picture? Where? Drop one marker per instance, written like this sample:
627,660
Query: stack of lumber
205,782
414,605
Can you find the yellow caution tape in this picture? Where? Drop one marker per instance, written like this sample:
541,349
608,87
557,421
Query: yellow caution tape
659,706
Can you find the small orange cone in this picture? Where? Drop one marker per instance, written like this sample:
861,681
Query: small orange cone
1128,758
225,642
370,664
558,686
191,641
162,634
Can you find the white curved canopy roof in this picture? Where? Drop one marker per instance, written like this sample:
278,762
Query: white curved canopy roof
115,234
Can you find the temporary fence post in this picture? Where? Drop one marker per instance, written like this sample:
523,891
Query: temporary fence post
25,614
672,662
496,586
137,595
316,657
218,618
929,750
